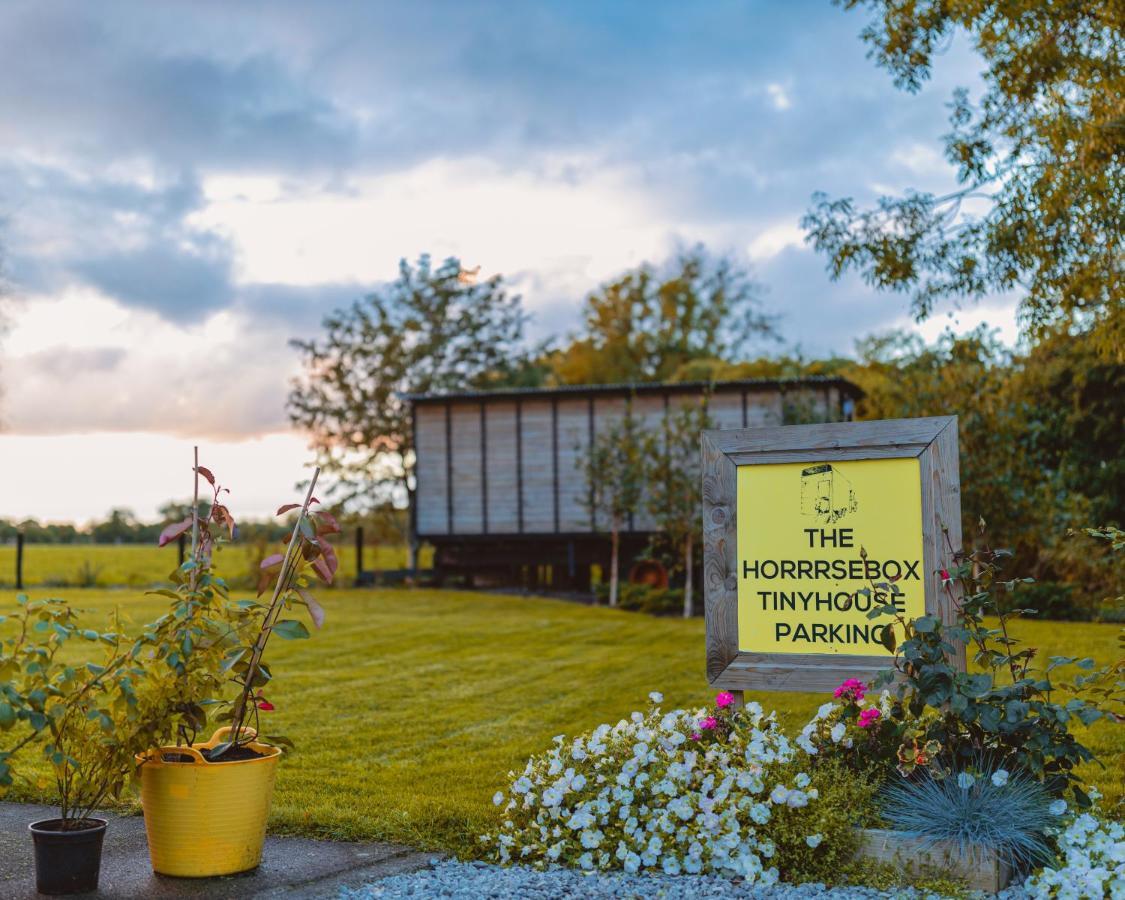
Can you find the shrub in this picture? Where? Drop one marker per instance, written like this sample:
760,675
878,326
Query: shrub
651,600
987,809
1012,712
715,791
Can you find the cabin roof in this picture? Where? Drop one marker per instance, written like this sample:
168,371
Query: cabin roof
587,390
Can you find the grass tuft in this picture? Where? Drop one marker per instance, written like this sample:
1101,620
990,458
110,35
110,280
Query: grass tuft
1009,818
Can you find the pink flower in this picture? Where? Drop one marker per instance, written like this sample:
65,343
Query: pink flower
696,736
709,724
945,579
724,699
853,689
868,716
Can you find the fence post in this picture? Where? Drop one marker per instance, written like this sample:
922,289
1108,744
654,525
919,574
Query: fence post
358,552
19,560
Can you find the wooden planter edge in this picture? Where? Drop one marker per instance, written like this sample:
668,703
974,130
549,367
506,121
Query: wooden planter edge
984,871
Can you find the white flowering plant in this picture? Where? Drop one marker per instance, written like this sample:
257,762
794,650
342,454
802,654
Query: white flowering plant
1091,859
717,791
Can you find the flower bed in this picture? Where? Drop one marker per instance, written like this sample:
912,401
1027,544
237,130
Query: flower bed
716,791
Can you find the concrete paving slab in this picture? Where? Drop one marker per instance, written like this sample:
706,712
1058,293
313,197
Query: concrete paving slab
292,868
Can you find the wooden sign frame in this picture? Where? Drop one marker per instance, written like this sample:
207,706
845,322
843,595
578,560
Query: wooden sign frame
933,441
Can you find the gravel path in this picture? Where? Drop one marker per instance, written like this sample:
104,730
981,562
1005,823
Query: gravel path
478,881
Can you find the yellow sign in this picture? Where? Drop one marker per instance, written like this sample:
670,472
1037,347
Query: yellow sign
802,530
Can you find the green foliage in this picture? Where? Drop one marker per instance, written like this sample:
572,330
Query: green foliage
432,330
1040,158
845,803
362,774
89,718
1039,441
645,598
674,493
649,323
1011,712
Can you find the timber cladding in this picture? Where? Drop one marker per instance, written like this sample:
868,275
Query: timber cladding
796,519
510,463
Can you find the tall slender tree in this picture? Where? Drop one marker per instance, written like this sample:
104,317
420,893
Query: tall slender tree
614,472
433,329
673,487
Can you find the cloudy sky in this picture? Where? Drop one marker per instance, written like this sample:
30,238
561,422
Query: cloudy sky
186,186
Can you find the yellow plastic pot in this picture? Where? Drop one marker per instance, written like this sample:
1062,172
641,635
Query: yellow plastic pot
203,818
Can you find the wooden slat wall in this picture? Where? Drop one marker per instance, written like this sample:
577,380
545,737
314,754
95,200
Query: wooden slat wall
503,511
726,410
763,408
468,505
538,469
524,464
649,413
429,426
573,443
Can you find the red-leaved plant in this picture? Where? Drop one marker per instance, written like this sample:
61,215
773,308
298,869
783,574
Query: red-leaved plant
210,642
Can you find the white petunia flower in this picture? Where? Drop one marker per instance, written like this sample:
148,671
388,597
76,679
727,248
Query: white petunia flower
802,780
837,732
1000,777
497,798
1057,808
965,781
656,697
779,794
813,840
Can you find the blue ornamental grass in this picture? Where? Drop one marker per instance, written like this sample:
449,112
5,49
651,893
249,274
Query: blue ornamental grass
1010,818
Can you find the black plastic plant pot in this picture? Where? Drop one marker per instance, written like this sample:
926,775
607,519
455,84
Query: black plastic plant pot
67,862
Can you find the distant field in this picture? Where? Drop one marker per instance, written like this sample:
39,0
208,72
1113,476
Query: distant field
139,565
410,706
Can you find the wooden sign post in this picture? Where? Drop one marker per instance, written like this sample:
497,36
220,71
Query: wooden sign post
797,520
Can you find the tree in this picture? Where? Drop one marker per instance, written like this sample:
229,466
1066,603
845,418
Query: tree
120,527
614,471
1039,436
431,330
674,486
1040,160
649,322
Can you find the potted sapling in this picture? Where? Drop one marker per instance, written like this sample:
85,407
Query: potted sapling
90,720
206,803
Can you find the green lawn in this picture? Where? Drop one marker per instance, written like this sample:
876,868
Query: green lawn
409,708
141,565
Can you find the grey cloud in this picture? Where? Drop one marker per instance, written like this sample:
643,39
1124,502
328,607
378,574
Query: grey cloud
181,283
75,362
112,115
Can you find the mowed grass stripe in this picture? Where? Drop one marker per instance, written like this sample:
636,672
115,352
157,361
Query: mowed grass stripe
410,707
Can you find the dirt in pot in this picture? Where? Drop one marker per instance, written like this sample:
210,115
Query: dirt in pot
234,754
69,824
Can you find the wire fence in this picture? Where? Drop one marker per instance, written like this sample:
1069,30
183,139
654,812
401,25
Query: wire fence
24,564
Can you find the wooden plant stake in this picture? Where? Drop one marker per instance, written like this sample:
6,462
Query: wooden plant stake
195,520
283,577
